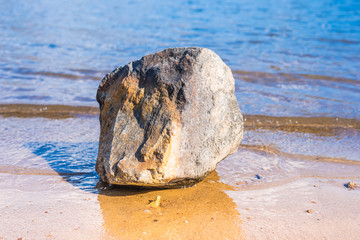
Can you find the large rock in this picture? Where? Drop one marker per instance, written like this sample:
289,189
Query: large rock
167,119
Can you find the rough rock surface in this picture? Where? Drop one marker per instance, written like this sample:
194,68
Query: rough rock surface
167,119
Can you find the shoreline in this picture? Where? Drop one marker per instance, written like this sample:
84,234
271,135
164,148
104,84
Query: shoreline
252,121
51,190
210,209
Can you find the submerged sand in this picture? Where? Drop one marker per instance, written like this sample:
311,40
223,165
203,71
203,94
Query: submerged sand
285,167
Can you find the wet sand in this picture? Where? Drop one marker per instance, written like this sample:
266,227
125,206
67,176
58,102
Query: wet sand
49,189
201,212
45,111
47,207
320,125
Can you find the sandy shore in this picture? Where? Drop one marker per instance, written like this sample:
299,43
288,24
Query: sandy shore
281,212
49,189
47,207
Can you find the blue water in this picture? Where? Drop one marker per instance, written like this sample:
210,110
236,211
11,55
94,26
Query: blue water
56,52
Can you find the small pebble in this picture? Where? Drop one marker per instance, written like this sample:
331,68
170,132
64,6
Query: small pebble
247,208
351,185
46,212
313,201
186,221
249,218
309,210
156,202
240,183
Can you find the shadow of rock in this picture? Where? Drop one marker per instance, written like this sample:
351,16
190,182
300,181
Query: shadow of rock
73,161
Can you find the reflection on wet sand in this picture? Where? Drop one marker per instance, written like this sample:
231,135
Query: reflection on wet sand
204,211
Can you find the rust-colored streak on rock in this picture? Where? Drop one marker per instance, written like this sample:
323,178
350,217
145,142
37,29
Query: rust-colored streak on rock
128,102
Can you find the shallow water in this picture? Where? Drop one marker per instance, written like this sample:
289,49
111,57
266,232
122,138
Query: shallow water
296,69
289,58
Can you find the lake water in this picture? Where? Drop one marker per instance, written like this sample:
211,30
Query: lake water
293,58
295,63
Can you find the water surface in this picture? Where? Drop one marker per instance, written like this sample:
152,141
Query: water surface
289,58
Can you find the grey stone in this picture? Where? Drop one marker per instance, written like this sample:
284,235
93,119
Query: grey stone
167,119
